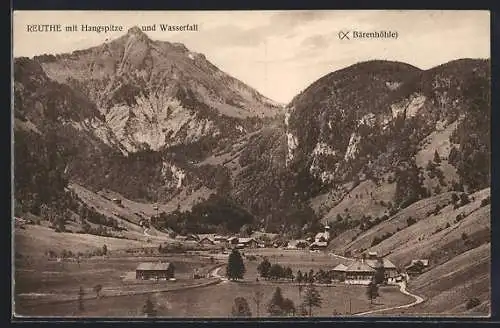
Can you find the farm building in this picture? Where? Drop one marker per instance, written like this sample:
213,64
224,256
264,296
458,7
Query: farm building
192,238
425,262
152,270
232,240
206,241
339,272
248,242
117,201
318,245
416,267
359,273
390,270
220,239
298,244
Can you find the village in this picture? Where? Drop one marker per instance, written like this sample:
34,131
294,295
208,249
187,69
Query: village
351,271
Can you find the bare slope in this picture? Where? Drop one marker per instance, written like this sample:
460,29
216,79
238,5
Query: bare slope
449,286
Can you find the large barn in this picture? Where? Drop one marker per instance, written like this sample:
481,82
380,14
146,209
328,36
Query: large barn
390,270
359,273
152,270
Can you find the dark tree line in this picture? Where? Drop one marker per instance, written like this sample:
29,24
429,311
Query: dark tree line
213,215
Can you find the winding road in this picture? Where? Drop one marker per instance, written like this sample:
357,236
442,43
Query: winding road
402,288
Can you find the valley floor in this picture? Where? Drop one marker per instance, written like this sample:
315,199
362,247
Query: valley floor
46,287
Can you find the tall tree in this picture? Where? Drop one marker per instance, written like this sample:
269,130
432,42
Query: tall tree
81,295
241,308
149,308
288,307
276,271
275,305
97,290
372,291
264,268
312,298
235,267
437,159
299,278
379,272
257,298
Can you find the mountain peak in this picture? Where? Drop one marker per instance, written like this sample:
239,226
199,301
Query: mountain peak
135,30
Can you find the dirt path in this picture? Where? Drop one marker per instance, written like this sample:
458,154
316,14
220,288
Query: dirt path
215,273
402,288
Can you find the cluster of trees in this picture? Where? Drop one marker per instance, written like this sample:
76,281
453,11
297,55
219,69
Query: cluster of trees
70,254
90,214
278,305
40,179
433,169
97,231
310,277
472,158
274,271
215,215
173,248
377,240
410,221
341,224
409,184
367,223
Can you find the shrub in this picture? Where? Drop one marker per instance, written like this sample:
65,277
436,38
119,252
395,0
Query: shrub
410,221
472,303
464,199
486,201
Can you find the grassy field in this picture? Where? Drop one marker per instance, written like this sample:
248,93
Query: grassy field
443,292
50,288
40,280
216,301
46,287
36,240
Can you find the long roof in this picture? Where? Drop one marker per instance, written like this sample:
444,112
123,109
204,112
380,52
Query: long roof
207,238
359,267
425,262
386,263
340,267
153,266
245,240
320,244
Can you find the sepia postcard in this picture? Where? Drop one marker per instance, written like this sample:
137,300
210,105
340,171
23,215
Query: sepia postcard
251,164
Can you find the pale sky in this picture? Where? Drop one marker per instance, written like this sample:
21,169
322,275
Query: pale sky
279,53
